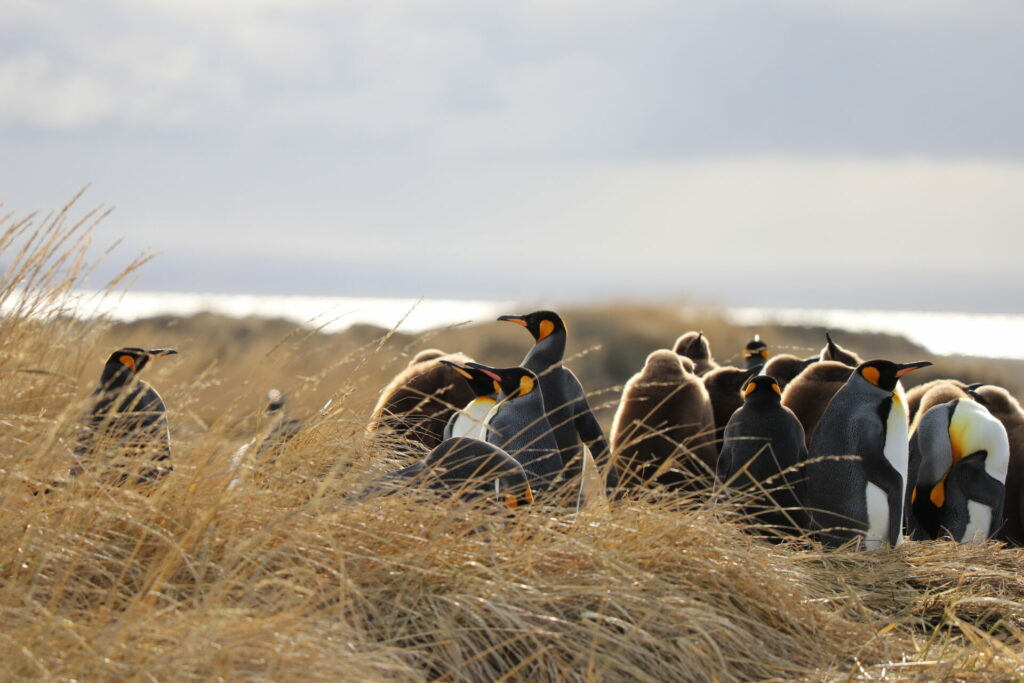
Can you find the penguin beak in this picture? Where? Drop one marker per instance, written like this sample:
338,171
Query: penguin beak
907,368
513,319
162,352
457,368
487,370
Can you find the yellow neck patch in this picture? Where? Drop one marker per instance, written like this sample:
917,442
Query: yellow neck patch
526,385
128,362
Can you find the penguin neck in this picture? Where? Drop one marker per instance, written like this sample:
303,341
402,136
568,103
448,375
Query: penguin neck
546,354
114,378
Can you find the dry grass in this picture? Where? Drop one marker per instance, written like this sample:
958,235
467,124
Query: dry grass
279,578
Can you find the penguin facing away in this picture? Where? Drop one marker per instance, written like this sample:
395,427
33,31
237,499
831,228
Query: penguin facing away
463,467
518,424
127,423
696,347
833,351
755,353
810,391
572,421
858,462
1005,408
418,402
469,421
763,449
663,427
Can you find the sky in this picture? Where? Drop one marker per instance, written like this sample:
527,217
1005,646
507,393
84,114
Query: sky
850,153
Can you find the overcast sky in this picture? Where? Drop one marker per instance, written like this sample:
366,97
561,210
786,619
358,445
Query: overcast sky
850,153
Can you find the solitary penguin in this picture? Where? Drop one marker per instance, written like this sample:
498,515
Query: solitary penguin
1005,408
755,353
858,465
126,427
463,467
724,384
469,421
833,351
810,391
664,426
518,424
958,459
417,404
762,452
569,412
785,367
696,347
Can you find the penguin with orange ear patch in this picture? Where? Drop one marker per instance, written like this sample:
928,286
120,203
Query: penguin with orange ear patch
858,465
487,391
127,424
572,421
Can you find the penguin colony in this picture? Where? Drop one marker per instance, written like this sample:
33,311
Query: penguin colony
833,449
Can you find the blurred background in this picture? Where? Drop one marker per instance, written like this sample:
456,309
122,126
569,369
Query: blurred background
856,154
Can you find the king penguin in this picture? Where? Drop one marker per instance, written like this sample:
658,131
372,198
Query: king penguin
810,391
755,353
696,347
763,451
1005,408
569,412
958,460
833,351
858,465
664,423
464,467
724,384
469,421
417,403
127,423
518,424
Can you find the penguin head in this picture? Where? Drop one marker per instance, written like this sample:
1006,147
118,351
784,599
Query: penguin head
761,387
482,382
755,348
275,401
693,345
541,324
885,374
128,361
833,351
514,382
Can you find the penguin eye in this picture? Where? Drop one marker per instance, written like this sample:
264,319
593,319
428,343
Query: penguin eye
545,328
871,374
525,385
128,362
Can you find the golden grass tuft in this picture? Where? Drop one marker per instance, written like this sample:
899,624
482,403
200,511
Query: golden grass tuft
285,577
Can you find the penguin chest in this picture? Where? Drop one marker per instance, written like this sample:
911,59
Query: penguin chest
472,420
979,521
896,451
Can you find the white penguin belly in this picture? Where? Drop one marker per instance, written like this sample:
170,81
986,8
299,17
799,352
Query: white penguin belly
979,521
878,517
471,420
897,452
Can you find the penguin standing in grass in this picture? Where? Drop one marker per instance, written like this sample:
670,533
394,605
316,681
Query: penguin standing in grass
696,347
469,421
572,421
127,424
463,467
755,353
418,402
858,465
518,424
762,452
810,391
958,460
664,425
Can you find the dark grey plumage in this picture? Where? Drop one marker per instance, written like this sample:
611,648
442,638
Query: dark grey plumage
762,453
